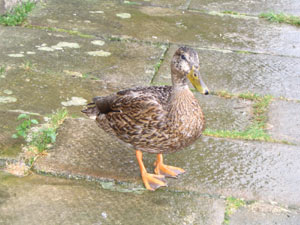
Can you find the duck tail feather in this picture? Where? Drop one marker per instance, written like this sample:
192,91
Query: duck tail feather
91,112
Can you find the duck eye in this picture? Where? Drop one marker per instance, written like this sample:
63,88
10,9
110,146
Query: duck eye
183,57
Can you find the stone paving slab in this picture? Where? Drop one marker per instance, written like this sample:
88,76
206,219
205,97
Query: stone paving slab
180,4
263,214
42,93
225,114
247,170
250,7
47,200
121,63
284,121
166,24
242,72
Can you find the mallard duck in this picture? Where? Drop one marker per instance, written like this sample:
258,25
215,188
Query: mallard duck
156,119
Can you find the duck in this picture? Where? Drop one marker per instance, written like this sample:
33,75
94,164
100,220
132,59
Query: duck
156,119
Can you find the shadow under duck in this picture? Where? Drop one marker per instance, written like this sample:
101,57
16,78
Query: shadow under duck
156,119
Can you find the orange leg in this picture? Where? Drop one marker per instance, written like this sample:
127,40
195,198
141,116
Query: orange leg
168,171
151,181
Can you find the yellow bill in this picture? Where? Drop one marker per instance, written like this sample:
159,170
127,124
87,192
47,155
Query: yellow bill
197,81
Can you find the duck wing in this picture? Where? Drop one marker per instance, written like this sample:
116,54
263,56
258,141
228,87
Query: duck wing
133,115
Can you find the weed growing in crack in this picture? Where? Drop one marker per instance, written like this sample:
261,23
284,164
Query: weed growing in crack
39,138
232,204
17,15
24,127
281,18
256,130
2,70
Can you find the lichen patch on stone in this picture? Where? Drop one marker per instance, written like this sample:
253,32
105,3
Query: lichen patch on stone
96,12
75,101
124,15
47,49
98,42
73,73
52,21
99,53
7,99
18,55
30,53
67,45
8,92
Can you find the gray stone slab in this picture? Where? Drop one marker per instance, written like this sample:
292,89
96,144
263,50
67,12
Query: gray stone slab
247,170
225,114
162,3
263,214
43,93
284,121
165,24
121,63
83,149
47,200
2,7
251,7
242,72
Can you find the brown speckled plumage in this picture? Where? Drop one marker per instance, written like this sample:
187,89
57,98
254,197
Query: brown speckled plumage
154,119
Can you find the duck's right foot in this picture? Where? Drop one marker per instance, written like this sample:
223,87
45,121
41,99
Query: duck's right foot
152,181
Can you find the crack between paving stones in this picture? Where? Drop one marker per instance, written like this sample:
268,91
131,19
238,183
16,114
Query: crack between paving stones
186,5
116,186
159,63
134,40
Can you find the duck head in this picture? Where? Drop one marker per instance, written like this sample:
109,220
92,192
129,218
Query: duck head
185,66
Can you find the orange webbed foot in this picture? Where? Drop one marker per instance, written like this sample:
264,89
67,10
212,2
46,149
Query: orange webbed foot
152,181
168,171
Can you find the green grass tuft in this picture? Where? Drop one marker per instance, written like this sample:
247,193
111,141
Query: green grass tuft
252,133
232,204
39,139
233,13
224,94
281,18
17,15
2,70
256,131
249,96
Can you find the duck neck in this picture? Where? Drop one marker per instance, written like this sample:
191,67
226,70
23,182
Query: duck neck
181,99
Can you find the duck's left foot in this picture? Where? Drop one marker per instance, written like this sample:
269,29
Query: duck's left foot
168,171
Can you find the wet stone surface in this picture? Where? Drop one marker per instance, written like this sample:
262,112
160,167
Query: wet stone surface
225,114
250,7
69,55
285,121
47,200
44,93
180,4
241,72
166,24
247,170
260,213
83,149
70,51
